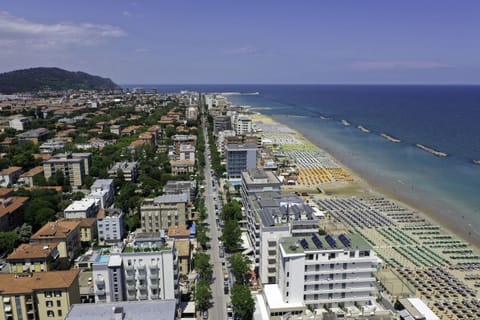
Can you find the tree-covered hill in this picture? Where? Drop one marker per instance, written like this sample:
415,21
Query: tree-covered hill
35,79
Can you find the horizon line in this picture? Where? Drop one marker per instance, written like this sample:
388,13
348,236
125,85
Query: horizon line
300,84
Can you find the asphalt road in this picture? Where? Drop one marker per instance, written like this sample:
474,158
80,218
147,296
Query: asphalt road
219,299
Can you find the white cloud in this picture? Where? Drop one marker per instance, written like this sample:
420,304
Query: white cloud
396,65
20,34
127,14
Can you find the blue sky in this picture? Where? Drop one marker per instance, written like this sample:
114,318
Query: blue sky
180,42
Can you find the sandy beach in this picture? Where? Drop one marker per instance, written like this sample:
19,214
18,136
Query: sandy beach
362,186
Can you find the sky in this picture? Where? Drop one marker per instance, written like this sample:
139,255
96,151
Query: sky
247,42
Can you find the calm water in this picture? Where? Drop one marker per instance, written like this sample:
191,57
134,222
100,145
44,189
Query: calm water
445,118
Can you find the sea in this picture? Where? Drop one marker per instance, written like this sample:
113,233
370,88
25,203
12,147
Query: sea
443,118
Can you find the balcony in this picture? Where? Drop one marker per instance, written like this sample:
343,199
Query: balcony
131,286
153,267
142,276
129,267
143,296
100,292
154,276
100,283
130,276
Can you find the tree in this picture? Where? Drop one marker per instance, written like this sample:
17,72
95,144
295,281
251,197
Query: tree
8,241
231,235
24,232
232,211
202,237
240,266
203,294
242,301
203,266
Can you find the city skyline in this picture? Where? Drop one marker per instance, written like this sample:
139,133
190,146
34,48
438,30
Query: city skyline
213,42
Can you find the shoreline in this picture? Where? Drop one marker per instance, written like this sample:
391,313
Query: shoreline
375,186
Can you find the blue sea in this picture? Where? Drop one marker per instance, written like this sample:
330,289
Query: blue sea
445,118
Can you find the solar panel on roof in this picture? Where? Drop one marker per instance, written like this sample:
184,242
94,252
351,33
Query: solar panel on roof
344,240
331,241
304,243
317,241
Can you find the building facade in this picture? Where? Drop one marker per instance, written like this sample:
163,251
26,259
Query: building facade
148,273
39,295
110,224
240,157
164,211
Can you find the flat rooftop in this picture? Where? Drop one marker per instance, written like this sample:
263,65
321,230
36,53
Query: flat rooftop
142,310
293,245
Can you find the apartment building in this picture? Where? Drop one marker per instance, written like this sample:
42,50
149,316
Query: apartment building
134,310
177,187
39,295
271,215
84,208
11,212
27,177
240,157
130,170
110,225
34,257
64,232
10,175
137,274
319,270
102,191
164,211
19,123
73,165
242,124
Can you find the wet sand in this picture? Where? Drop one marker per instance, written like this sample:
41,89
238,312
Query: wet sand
365,185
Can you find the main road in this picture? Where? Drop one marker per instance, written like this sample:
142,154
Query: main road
219,299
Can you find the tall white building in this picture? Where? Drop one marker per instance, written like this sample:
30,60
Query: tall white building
84,208
102,190
243,124
318,271
270,216
110,225
146,272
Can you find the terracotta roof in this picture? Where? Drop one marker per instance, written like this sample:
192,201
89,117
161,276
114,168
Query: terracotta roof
101,214
178,231
84,222
10,170
56,188
183,247
32,251
56,230
11,204
5,192
137,143
33,172
42,156
22,283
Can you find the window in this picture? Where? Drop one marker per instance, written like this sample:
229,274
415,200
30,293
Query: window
59,303
50,314
49,304
48,294
59,312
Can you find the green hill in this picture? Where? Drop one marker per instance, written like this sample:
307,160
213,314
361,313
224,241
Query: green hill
35,79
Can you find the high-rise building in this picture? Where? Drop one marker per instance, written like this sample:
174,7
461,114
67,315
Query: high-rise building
332,271
164,211
240,157
145,272
73,165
